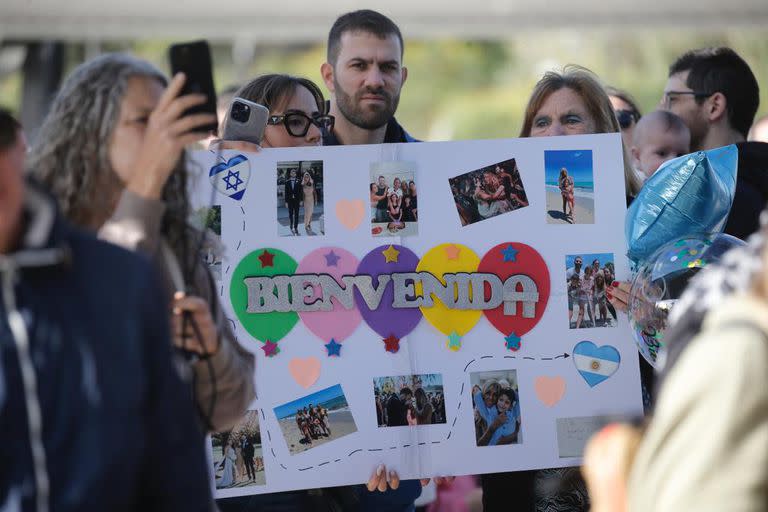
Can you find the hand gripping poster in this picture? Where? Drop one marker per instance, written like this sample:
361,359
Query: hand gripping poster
436,307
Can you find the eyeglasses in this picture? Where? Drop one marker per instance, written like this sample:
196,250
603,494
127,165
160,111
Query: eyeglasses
668,95
297,123
626,118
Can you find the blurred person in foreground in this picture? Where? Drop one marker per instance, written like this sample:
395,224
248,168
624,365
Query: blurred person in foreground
759,130
111,150
92,411
706,446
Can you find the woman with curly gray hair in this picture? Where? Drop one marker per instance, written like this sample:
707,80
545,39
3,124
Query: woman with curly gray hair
111,150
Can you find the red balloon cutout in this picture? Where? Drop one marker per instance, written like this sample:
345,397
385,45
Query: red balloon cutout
513,258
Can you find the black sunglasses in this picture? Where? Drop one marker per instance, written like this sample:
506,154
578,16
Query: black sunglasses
297,123
626,118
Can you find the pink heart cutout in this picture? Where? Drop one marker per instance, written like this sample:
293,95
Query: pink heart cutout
549,390
350,212
305,371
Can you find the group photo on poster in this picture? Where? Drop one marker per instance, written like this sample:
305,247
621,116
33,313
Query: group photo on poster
393,195
489,191
237,454
587,277
404,400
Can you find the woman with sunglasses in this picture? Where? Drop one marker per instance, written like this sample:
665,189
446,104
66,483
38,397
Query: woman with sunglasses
296,112
627,113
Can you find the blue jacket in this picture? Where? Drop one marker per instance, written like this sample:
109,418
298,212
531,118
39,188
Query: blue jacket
117,428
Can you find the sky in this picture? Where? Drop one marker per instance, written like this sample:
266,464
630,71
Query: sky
319,397
578,163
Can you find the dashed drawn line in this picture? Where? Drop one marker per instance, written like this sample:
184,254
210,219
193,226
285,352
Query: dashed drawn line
239,243
221,291
450,432
227,271
243,225
242,210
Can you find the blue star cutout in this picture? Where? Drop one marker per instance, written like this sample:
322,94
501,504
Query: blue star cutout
334,349
237,182
454,341
331,259
512,342
510,253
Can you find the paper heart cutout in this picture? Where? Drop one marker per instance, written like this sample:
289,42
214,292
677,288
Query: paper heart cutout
231,177
305,371
549,390
595,364
350,212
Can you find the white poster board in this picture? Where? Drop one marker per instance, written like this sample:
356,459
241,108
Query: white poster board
560,375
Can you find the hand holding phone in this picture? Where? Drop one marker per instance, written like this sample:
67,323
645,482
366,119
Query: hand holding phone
168,130
246,121
194,60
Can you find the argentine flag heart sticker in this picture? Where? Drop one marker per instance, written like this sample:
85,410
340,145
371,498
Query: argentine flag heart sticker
231,177
595,364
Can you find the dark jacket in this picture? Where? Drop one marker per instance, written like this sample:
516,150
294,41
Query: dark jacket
751,190
293,194
118,428
394,133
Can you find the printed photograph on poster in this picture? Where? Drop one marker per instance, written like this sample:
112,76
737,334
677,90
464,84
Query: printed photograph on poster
570,187
300,198
315,419
408,400
393,195
496,407
237,454
489,191
587,276
208,220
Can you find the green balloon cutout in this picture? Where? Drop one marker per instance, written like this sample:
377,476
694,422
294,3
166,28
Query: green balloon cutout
262,262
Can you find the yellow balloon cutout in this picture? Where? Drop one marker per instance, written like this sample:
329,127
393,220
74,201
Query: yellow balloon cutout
449,259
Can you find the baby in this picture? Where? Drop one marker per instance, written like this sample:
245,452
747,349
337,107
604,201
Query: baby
659,136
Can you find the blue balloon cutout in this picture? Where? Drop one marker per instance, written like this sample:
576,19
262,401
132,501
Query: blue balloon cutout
690,194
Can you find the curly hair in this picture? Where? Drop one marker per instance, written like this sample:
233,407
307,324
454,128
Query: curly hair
71,153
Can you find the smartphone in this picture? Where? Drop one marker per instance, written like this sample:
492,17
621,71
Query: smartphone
247,121
194,60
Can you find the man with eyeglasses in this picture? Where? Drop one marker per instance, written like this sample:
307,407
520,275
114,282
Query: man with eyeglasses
365,75
715,92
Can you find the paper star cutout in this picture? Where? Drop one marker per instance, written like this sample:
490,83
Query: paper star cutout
331,259
390,254
392,343
454,341
270,349
334,349
513,342
452,252
237,180
267,259
510,253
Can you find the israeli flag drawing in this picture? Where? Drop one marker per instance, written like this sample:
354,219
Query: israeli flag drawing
231,177
595,364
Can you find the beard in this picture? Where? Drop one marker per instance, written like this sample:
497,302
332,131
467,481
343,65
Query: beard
366,118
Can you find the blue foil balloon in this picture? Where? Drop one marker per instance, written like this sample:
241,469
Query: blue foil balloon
690,194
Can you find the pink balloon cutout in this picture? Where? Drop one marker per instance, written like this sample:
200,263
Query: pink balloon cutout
339,323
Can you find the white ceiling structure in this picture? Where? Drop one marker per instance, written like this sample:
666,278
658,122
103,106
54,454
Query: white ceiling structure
308,21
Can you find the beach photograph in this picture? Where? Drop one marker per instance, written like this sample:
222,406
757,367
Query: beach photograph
409,400
496,407
316,419
487,192
587,276
237,455
570,187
